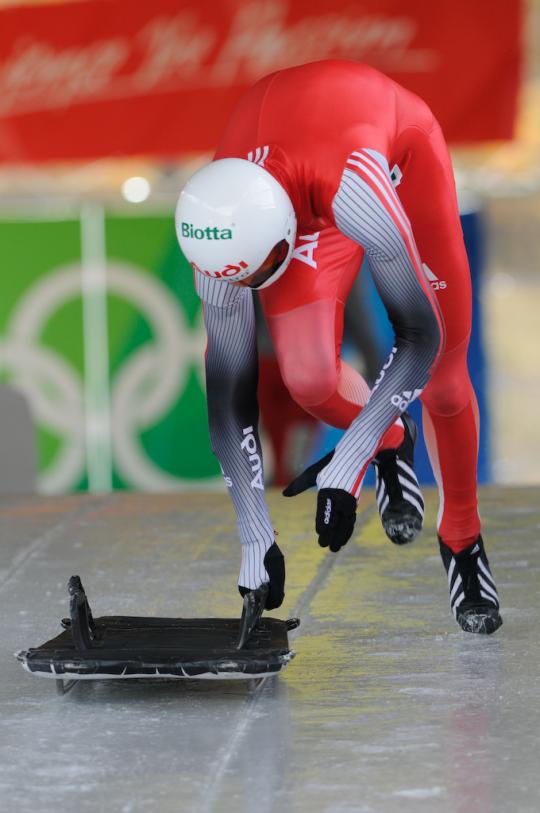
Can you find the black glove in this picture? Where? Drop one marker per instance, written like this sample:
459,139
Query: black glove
336,515
274,563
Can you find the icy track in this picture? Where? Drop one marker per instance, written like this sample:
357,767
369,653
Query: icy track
387,708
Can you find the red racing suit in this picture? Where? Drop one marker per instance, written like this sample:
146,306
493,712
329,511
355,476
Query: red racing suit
366,167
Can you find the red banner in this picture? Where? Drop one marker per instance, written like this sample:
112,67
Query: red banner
113,77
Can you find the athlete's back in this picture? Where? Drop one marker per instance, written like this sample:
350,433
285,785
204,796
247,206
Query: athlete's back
313,116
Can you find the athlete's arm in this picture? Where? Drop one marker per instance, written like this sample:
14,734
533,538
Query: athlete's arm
233,413
367,210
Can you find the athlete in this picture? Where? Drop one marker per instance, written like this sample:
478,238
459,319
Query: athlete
320,165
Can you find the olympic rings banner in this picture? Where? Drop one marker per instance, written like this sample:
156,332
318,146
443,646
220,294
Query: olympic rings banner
153,359
118,396
112,77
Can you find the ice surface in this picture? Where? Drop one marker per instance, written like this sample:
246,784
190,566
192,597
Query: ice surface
387,707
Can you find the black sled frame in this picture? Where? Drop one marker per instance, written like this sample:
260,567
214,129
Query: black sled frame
167,648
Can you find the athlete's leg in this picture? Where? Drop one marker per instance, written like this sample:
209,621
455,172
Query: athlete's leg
450,413
281,417
304,313
451,424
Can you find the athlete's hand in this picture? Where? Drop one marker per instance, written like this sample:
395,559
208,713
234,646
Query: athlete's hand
274,563
336,515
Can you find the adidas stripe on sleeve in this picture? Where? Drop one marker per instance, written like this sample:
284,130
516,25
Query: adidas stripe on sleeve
368,211
231,387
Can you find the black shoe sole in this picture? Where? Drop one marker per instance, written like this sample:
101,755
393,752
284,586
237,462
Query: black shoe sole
480,621
400,527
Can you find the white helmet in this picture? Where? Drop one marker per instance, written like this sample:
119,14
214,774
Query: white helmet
234,221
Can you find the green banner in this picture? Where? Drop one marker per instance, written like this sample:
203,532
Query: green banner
102,330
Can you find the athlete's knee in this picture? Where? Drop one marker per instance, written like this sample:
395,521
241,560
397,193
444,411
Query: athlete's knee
309,382
447,394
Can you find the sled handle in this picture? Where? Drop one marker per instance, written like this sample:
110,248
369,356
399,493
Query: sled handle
82,624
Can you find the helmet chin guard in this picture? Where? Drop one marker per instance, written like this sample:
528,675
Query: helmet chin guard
229,217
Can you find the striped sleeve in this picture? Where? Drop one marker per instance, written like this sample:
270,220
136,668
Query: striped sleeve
233,412
368,211
216,292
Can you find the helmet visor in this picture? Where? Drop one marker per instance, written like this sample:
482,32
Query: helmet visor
269,267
